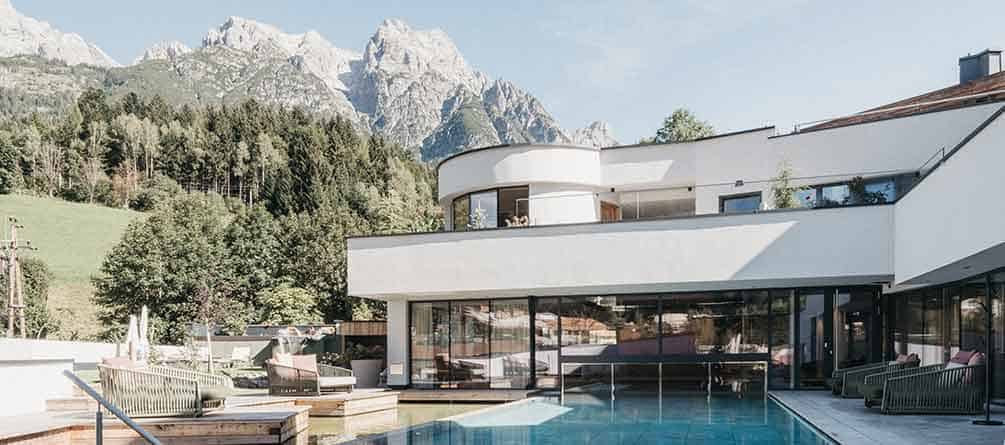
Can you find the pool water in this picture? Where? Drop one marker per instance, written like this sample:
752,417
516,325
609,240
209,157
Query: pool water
642,420
334,430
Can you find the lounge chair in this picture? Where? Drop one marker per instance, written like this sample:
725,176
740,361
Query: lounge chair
161,391
302,375
845,382
956,387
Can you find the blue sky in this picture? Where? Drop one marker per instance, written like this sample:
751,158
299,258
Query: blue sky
736,64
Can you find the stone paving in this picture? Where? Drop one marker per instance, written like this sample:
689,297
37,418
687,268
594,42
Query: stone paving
850,423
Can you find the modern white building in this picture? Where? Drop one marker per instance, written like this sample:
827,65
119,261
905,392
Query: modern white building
565,265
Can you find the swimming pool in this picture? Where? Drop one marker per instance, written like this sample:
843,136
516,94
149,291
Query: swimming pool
628,420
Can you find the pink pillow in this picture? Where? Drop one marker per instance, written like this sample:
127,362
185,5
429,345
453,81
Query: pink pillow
977,358
963,357
307,362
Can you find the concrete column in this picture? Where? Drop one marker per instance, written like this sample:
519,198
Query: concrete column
397,343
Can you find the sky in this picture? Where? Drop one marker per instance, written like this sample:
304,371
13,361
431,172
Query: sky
737,65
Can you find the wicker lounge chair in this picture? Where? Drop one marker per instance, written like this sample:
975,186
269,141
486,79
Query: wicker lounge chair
301,375
845,382
161,391
956,387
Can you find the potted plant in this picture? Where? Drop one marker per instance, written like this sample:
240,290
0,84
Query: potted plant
366,363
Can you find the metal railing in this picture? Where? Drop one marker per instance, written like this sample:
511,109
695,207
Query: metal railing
98,416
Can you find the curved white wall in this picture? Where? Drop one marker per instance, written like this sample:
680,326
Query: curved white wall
518,165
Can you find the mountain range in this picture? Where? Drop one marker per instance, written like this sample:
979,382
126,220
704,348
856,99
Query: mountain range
413,87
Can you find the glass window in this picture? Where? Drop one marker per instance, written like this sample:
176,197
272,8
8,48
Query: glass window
880,192
469,344
719,323
740,204
781,339
513,207
484,210
587,326
812,350
510,347
806,198
462,213
546,337
430,332
835,195
736,378
635,320
665,203
998,357
973,324
854,326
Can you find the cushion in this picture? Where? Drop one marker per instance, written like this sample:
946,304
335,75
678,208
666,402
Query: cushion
901,358
215,392
962,357
977,358
308,362
913,358
284,359
952,365
329,382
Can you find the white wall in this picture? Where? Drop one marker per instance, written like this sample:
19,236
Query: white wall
398,336
518,165
775,249
837,154
85,354
562,204
952,225
648,166
27,384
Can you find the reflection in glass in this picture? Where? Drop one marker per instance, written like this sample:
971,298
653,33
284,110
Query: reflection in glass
587,328
664,203
781,339
430,344
637,379
720,323
462,213
740,204
812,340
511,365
833,195
469,344
546,334
484,210
854,325
685,378
998,324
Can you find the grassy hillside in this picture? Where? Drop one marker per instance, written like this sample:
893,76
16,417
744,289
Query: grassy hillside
72,239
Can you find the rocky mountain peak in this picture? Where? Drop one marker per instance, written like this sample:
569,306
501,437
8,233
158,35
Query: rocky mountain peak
596,134
169,50
22,35
396,48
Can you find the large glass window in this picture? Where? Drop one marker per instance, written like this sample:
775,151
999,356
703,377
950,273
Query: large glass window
740,203
856,328
484,210
813,338
511,360
430,333
587,326
514,207
546,342
505,207
715,323
781,339
664,203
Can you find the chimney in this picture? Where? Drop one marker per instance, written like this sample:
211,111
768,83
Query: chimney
983,64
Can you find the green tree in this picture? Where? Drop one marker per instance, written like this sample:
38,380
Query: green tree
164,262
253,248
35,277
93,157
681,126
783,193
285,304
10,170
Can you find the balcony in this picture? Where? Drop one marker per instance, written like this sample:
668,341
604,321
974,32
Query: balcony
834,246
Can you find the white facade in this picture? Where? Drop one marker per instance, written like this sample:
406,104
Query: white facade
940,230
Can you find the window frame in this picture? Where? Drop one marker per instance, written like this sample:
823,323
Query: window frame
724,198
496,190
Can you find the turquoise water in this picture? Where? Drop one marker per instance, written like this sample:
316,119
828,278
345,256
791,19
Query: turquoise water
586,419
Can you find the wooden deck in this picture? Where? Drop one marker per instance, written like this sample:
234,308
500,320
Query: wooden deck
328,405
235,426
464,395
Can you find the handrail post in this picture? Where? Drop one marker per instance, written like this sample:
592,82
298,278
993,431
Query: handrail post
99,426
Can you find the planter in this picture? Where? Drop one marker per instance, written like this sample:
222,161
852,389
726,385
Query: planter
367,372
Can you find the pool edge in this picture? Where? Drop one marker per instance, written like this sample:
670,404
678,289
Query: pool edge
795,413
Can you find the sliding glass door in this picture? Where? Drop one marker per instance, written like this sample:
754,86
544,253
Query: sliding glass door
814,354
